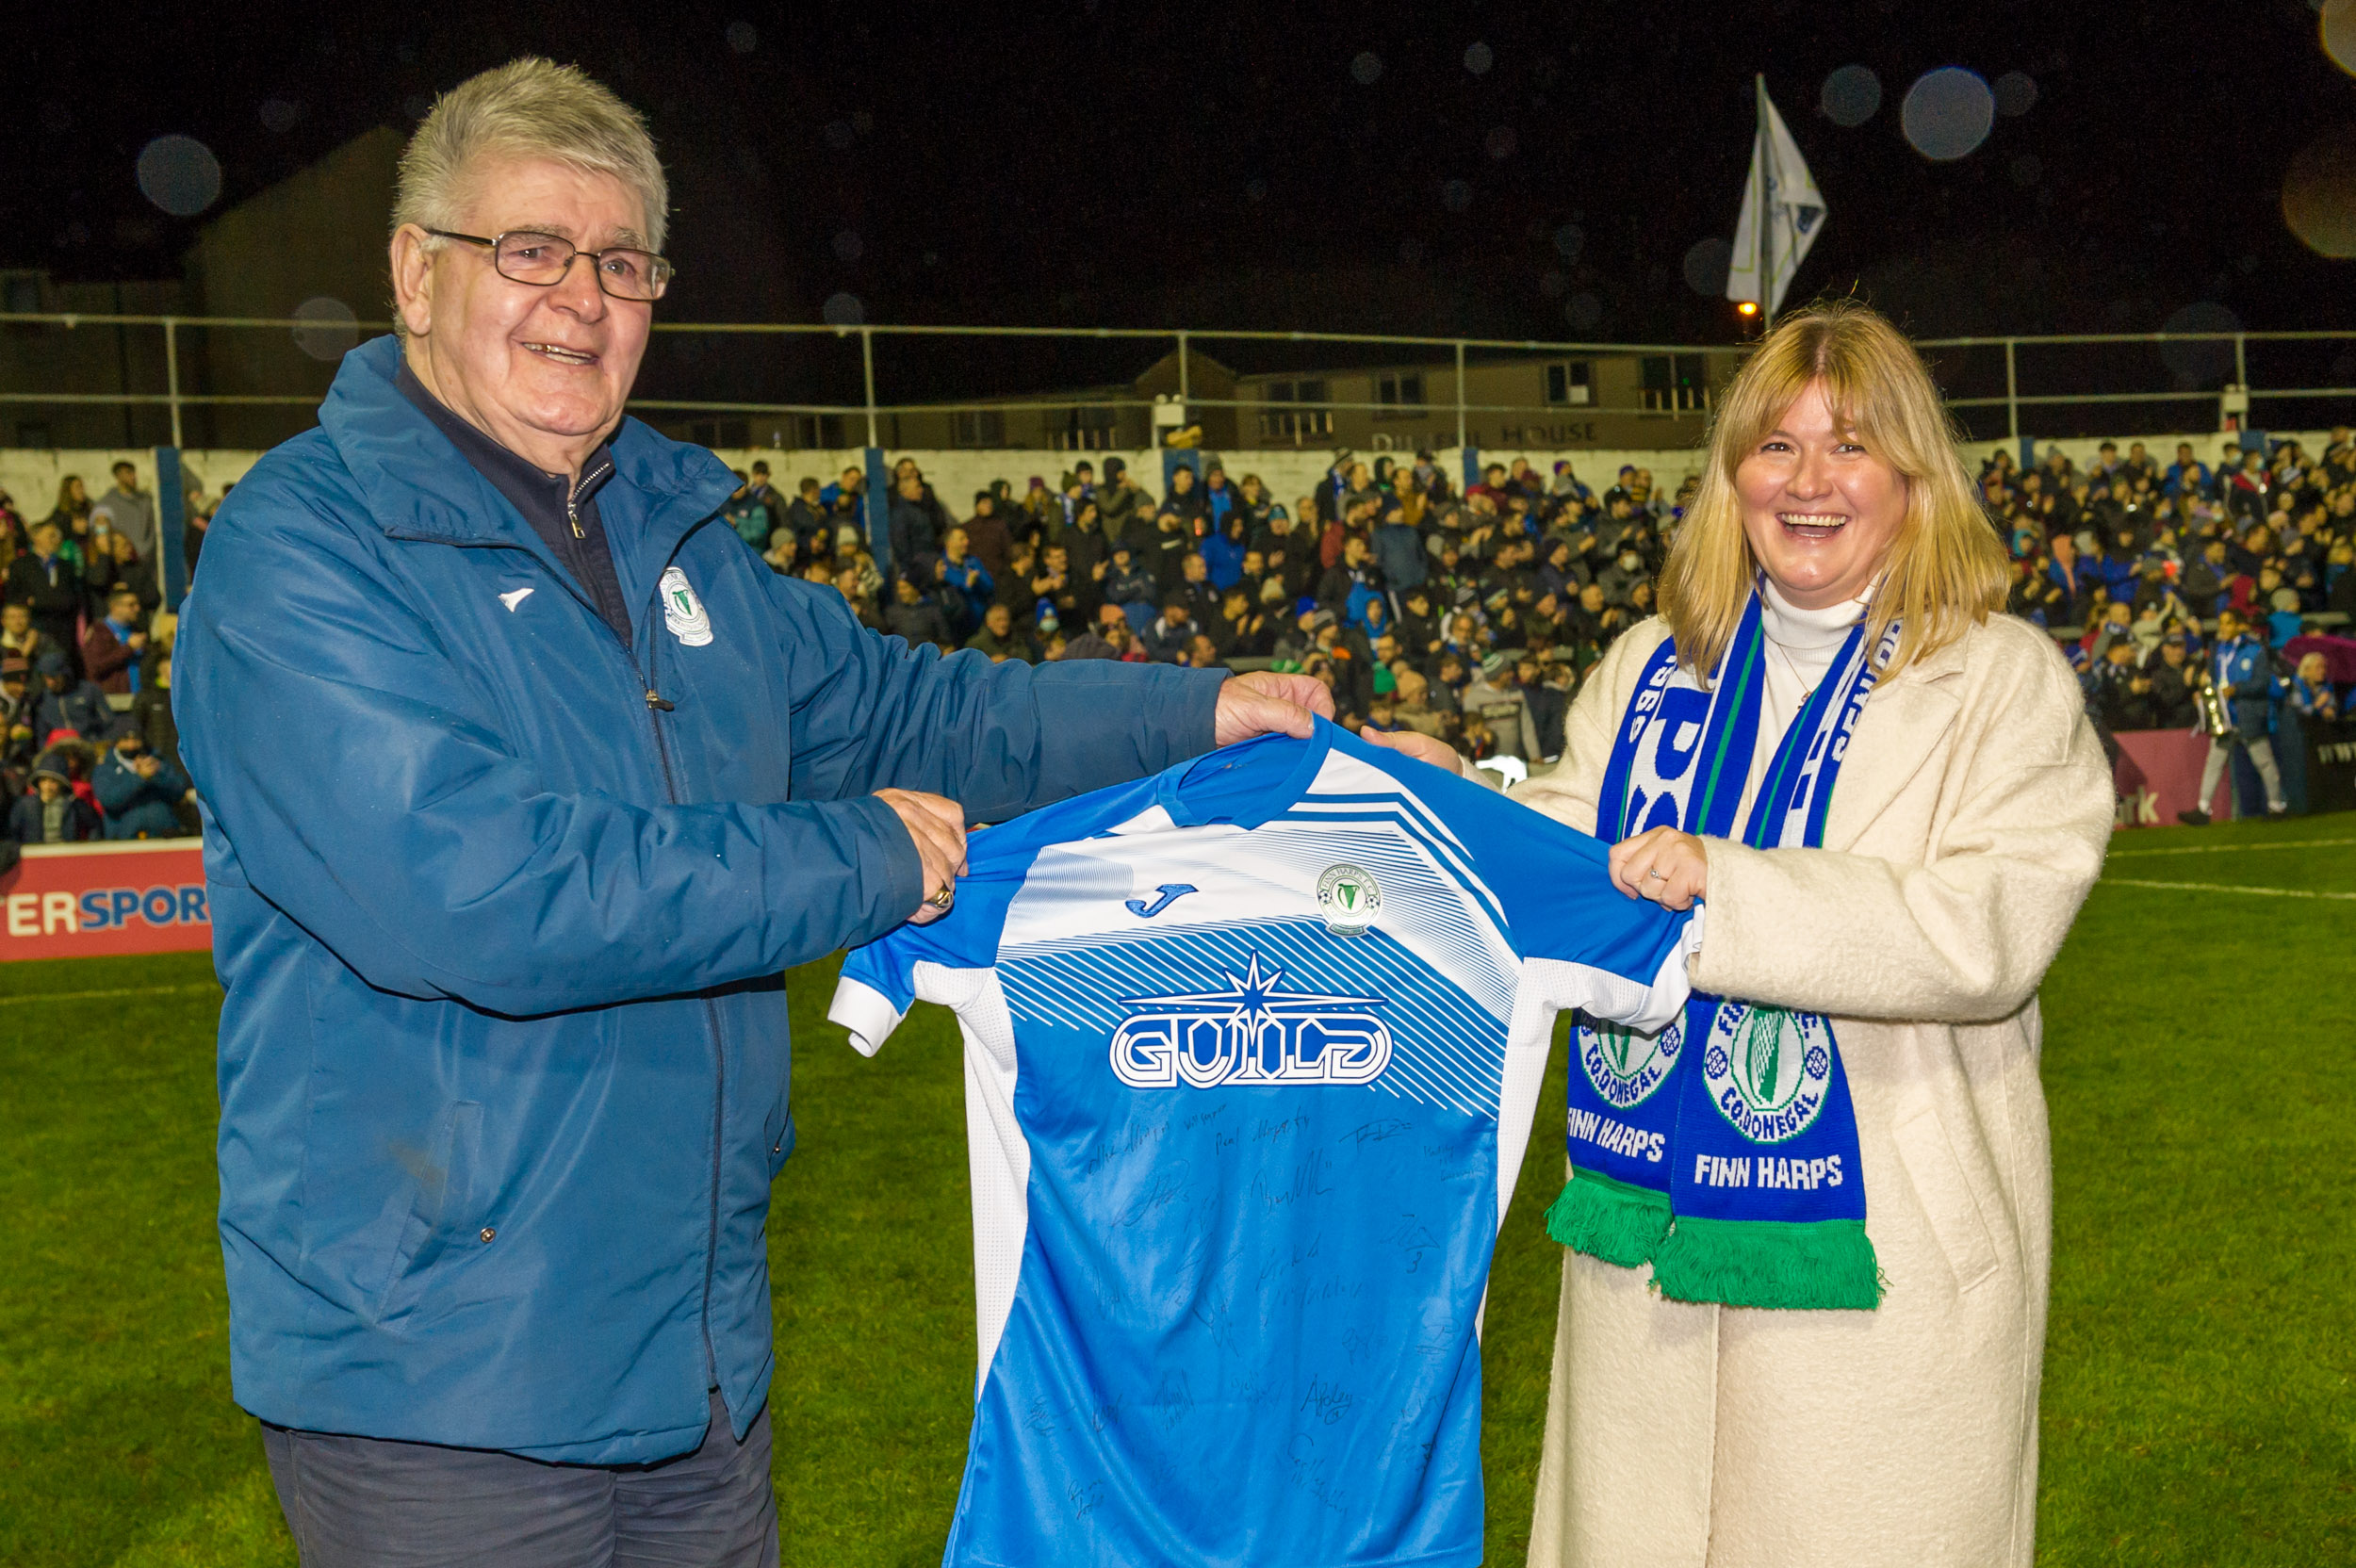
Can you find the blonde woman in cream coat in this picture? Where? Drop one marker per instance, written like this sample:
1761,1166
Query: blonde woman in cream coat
1968,823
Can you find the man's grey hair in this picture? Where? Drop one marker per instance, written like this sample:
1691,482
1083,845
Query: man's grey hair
531,108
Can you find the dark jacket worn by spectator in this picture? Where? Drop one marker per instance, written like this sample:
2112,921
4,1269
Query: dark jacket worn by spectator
152,710
1188,500
918,622
987,536
1165,639
65,819
65,702
915,541
1132,585
104,574
1547,707
138,803
1084,545
51,589
809,520
2174,704
994,647
1118,501
1399,553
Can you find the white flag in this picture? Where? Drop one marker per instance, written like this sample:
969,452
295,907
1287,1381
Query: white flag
1767,255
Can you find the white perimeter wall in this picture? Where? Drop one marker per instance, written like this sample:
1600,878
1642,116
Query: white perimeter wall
31,477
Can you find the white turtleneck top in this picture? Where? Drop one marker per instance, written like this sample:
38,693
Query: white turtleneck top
1800,649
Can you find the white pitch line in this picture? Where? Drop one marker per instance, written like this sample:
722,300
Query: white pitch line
2227,849
90,996
2220,888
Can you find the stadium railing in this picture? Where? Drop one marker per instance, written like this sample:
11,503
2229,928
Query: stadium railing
2209,371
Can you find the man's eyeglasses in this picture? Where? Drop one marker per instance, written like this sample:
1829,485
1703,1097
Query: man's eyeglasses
542,260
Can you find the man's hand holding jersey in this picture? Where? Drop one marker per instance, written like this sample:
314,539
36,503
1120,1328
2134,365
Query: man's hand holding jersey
1265,702
937,823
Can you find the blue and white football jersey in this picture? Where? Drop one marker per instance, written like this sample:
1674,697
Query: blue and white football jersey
1251,1050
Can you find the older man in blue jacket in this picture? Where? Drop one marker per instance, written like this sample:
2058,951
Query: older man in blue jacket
523,780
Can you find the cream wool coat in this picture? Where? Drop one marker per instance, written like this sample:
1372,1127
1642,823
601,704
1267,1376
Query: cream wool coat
1968,822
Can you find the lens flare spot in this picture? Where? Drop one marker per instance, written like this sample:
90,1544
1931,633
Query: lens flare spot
1947,113
179,174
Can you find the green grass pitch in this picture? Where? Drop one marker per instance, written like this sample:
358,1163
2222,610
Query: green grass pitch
2198,1403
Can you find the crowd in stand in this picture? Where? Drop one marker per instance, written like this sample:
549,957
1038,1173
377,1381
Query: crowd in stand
1473,614
1469,613
2162,565
89,748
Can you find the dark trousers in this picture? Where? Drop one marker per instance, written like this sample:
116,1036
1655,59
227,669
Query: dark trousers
362,1502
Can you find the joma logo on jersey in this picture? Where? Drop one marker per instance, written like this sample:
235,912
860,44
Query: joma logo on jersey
1254,1032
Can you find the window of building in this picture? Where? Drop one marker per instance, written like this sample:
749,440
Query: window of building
20,293
978,427
818,432
1295,419
1675,383
721,435
1570,384
1401,395
1087,428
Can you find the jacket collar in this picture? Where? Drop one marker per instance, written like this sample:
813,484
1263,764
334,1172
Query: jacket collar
1900,729
418,486
527,487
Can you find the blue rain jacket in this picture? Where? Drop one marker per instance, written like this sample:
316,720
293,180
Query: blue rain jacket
501,907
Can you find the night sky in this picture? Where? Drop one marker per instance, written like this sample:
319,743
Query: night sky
1110,162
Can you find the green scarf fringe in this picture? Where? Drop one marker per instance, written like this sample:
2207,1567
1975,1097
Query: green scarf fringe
1608,1219
1766,1262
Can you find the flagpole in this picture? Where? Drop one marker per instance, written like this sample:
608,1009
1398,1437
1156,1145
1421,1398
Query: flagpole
1766,221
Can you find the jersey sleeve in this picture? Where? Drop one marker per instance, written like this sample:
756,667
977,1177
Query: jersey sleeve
882,980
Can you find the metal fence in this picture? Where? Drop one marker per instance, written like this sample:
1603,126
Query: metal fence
160,375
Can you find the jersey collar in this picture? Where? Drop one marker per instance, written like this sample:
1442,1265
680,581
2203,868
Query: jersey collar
1241,784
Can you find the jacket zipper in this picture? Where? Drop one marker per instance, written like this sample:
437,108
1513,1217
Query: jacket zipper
657,705
572,499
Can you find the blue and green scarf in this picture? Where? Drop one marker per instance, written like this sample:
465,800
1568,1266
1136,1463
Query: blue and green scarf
1722,1150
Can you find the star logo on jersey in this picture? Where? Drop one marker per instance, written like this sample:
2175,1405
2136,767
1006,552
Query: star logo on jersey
1252,1031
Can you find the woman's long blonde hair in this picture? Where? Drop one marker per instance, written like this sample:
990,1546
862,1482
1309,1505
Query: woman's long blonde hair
1946,570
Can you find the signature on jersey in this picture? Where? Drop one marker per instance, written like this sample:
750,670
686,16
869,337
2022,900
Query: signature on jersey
1253,1031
